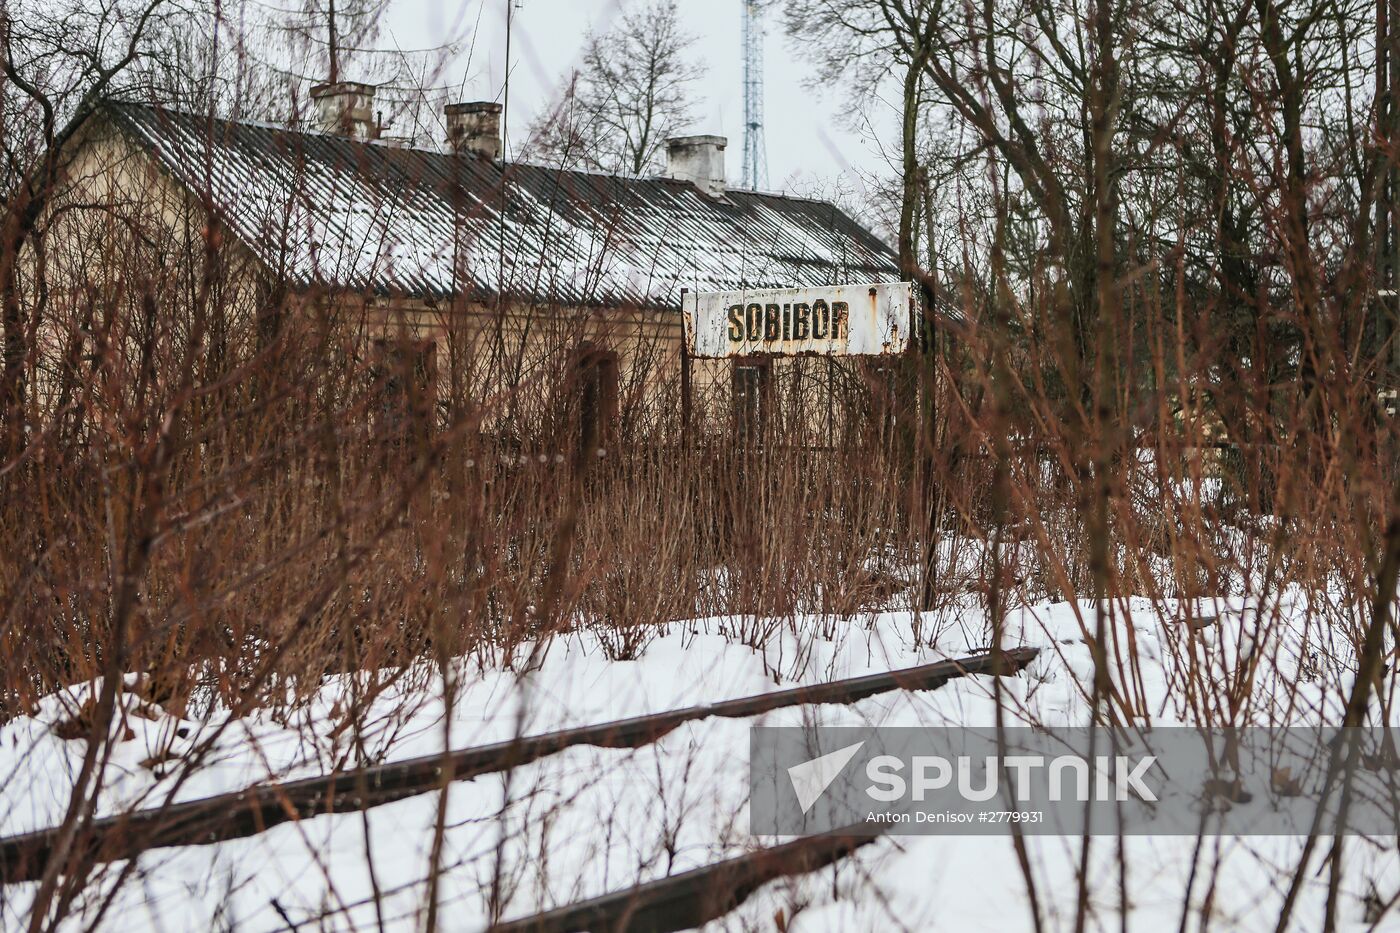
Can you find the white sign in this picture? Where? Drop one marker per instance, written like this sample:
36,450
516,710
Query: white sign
838,320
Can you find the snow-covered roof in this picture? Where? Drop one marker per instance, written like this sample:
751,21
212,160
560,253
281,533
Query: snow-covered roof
326,210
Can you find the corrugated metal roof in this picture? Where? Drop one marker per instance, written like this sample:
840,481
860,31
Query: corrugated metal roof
331,211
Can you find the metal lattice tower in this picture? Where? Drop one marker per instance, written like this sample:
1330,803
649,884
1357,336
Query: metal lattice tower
755,149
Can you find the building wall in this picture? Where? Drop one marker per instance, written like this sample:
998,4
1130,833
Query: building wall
516,364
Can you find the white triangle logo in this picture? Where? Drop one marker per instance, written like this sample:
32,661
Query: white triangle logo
811,778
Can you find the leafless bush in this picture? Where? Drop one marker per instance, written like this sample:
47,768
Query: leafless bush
1156,371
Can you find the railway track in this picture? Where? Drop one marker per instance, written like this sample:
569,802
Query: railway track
691,898
255,809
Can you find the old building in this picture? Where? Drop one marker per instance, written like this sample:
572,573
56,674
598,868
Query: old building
466,272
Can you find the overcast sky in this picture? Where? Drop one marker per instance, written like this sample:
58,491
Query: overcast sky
808,145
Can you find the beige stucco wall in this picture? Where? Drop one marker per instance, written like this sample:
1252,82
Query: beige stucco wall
541,341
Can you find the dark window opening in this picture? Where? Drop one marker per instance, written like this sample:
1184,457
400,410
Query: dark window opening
403,375
750,383
597,376
882,390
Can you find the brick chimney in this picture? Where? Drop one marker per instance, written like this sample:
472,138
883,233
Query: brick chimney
475,126
345,108
698,159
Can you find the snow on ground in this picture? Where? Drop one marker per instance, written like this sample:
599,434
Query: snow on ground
589,820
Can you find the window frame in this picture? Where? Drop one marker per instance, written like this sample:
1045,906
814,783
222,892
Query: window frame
750,419
595,369
415,398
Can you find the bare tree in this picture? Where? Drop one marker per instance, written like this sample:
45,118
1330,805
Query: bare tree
633,90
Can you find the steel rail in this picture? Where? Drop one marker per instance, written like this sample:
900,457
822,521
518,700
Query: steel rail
695,897
255,809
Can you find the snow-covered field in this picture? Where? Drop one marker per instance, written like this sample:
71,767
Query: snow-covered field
589,820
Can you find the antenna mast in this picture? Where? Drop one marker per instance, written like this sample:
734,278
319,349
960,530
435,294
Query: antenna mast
755,149
511,7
